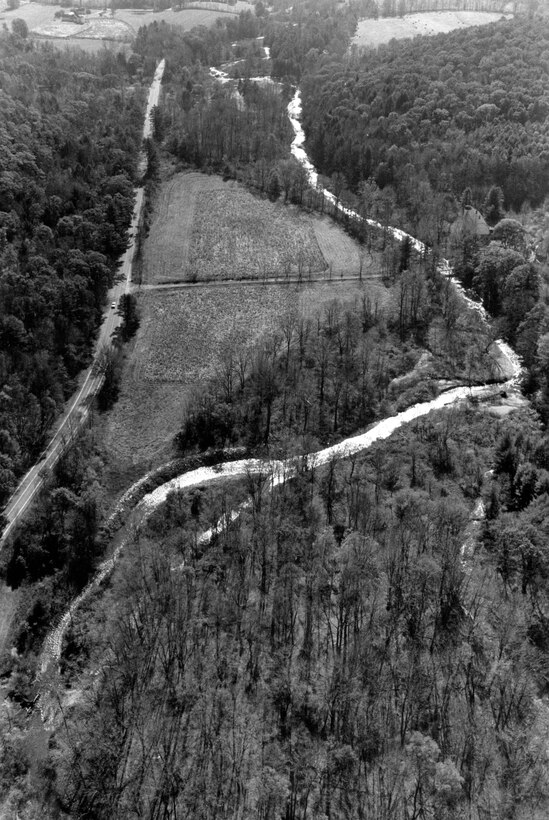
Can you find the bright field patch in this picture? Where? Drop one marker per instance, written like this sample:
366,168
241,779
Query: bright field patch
95,29
166,252
236,236
372,33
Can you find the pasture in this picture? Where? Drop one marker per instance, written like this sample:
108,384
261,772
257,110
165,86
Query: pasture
373,33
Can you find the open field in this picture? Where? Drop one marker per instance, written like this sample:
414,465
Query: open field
91,46
187,333
237,236
205,228
186,18
122,27
167,248
93,29
341,253
373,33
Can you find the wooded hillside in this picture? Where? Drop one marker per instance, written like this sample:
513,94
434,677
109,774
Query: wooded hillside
438,114
69,136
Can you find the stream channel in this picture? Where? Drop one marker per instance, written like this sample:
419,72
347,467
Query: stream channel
279,471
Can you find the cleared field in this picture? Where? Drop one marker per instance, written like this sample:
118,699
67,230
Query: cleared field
166,251
34,14
183,339
205,228
95,29
372,33
341,253
92,46
186,18
237,236
186,334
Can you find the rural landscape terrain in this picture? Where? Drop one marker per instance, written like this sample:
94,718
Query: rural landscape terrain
280,277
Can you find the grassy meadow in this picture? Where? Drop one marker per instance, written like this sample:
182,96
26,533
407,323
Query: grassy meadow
237,236
207,229
373,33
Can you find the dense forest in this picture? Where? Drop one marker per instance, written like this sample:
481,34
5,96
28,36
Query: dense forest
69,139
330,654
436,115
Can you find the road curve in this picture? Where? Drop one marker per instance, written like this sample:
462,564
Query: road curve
77,407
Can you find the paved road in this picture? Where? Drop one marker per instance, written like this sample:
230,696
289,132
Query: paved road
77,408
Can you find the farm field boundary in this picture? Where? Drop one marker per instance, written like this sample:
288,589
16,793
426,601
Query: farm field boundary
225,283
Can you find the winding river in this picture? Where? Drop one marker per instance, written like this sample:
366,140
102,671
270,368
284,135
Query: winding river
279,471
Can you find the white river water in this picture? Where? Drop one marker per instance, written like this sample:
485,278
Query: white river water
280,471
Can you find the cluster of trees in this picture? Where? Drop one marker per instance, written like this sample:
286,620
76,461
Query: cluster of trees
184,49
326,655
297,42
240,132
320,378
443,113
69,140
247,134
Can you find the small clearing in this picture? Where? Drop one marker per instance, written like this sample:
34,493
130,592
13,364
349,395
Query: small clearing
372,33
107,28
9,600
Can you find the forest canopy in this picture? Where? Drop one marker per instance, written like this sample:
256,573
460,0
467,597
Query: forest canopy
465,109
69,139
